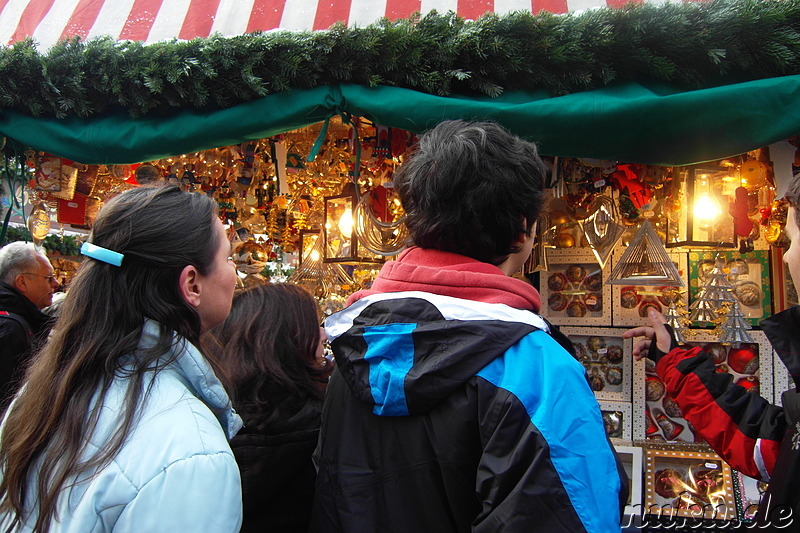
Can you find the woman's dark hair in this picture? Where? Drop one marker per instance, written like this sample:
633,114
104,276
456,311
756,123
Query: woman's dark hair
159,231
471,188
268,346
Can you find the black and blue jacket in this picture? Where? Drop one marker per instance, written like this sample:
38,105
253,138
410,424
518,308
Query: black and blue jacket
447,414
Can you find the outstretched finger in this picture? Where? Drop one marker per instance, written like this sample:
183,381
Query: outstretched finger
641,331
662,336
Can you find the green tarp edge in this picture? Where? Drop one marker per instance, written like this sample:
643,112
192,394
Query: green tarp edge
632,122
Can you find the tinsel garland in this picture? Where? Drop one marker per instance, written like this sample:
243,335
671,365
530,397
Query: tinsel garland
688,44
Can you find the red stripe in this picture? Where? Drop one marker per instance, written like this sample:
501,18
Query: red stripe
330,12
31,17
140,20
473,9
82,19
266,15
199,19
401,9
3,4
553,6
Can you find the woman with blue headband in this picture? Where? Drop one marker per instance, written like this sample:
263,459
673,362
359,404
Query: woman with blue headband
122,423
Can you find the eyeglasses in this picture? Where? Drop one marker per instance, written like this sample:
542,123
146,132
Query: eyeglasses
51,278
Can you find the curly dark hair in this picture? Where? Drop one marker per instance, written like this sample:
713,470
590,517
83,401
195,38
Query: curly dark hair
471,188
268,347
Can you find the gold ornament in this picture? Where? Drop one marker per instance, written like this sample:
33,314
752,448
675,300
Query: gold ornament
39,223
287,240
271,225
558,217
565,240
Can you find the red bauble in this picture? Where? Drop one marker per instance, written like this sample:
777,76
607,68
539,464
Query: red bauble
750,383
743,360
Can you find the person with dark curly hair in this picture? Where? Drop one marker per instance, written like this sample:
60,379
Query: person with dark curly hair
453,405
755,437
272,348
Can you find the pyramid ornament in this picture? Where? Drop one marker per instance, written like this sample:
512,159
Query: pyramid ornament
715,294
601,229
646,262
676,318
703,310
734,329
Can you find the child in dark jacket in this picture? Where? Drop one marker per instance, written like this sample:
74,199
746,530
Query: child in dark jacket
272,347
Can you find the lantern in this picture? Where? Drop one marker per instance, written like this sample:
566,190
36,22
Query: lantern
703,220
341,243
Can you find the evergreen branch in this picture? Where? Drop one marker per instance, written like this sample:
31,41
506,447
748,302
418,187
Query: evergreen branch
690,45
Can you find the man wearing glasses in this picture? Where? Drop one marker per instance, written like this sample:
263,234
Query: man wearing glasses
27,284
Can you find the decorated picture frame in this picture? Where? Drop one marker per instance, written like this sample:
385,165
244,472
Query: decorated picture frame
607,359
574,289
751,283
751,365
689,484
632,460
631,303
617,420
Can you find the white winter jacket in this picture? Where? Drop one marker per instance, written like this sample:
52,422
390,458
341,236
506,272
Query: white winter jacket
175,472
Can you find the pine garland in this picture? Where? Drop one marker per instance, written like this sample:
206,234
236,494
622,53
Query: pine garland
691,45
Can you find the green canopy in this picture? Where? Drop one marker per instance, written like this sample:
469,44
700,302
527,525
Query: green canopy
632,122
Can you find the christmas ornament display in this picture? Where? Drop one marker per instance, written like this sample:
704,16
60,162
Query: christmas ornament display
646,262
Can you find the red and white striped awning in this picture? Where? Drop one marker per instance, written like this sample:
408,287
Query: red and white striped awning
47,21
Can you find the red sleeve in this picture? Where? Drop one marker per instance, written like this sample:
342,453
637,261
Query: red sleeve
742,427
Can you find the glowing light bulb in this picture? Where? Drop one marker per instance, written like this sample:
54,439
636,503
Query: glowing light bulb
706,208
346,223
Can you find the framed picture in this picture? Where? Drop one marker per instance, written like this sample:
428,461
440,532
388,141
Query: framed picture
616,420
750,365
631,303
688,484
749,275
631,459
607,359
574,290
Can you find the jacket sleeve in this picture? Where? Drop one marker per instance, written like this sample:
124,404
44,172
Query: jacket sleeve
200,493
742,427
546,464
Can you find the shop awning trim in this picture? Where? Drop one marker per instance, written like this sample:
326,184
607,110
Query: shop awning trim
639,123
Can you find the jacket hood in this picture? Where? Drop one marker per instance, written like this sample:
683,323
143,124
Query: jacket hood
13,301
198,376
404,352
782,331
449,274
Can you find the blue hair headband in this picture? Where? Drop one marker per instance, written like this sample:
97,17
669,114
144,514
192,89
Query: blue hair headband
102,254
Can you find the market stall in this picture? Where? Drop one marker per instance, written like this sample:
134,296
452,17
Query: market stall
644,113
